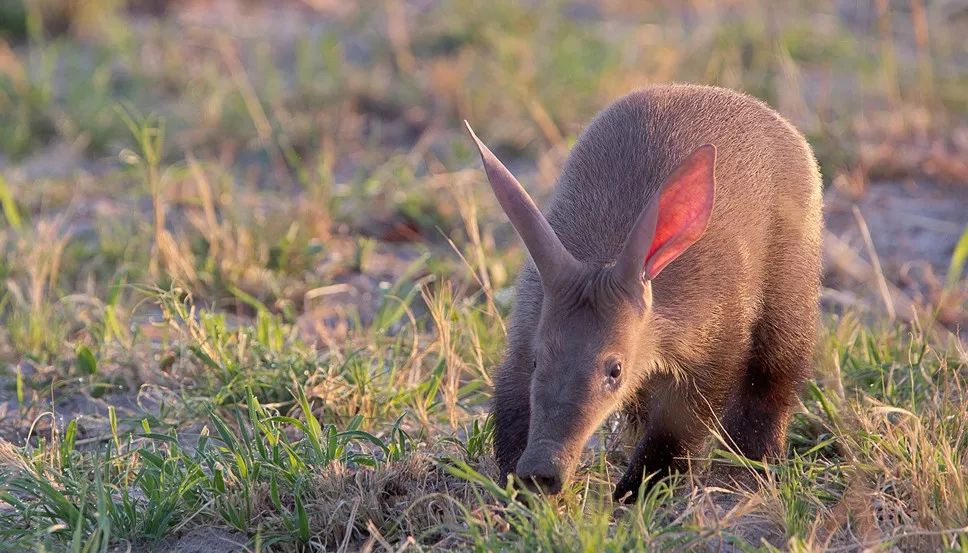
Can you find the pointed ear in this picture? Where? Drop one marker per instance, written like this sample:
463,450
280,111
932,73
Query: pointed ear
670,225
549,254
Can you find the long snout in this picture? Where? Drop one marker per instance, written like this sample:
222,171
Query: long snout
544,466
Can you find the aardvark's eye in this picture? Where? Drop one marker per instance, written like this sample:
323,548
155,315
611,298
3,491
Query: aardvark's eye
613,372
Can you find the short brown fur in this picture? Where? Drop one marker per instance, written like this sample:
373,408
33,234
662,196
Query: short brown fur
724,333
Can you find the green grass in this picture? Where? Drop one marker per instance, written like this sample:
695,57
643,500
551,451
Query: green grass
255,282
883,428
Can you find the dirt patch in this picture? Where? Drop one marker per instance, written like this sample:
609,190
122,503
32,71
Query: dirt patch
201,540
911,222
914,227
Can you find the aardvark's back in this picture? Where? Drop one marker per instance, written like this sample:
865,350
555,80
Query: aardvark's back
768,195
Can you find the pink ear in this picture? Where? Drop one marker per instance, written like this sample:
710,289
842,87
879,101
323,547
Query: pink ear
685,205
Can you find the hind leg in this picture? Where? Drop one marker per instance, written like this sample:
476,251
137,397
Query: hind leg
784,337
783,343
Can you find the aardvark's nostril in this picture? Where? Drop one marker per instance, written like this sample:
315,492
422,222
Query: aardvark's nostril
542,467
546,483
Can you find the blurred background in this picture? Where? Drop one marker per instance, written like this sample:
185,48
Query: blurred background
300,157
316,122
205,203
323,129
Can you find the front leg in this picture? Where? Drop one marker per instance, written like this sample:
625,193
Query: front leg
512,415
512,383
656,455
675,429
